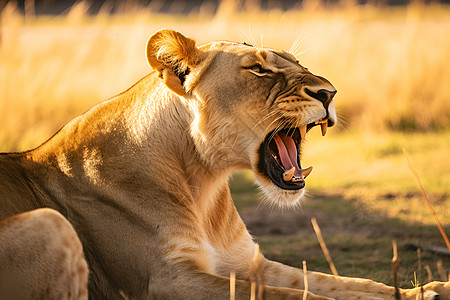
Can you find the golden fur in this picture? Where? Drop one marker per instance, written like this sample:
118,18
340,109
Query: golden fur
143,177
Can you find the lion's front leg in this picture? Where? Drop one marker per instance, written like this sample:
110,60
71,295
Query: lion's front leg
338,287
190,284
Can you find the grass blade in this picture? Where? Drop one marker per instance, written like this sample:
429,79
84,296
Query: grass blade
232,286
395,266
305,281
324,246
424,195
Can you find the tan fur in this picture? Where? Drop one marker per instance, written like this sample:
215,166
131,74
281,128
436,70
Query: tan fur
143,178
41,257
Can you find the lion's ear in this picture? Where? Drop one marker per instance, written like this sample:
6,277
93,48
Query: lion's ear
172,54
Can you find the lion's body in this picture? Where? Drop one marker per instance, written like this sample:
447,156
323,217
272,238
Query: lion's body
129,212
143,177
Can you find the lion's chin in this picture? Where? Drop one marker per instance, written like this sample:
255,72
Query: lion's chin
278,196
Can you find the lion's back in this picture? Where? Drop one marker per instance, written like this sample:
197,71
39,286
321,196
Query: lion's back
16,195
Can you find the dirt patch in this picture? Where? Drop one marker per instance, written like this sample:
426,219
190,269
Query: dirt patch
360,241
344,217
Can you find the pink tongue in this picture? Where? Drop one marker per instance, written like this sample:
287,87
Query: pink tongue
288,153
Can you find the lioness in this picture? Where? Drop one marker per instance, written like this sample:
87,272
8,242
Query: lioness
143,178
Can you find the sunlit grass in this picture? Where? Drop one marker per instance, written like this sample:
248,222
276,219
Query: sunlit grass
372,168
353,159
390,66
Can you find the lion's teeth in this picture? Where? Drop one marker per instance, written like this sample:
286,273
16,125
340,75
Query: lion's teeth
306,172
324,127
297,179
287,176
303,131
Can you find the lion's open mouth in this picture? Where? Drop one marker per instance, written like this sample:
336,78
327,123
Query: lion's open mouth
279,156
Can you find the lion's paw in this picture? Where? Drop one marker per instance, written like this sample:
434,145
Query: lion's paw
428,295
441,290
431,291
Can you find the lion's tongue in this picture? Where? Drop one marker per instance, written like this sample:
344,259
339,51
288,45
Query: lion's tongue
287,151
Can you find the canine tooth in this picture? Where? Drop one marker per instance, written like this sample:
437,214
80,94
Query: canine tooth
303,131
287,176
324,127
306,172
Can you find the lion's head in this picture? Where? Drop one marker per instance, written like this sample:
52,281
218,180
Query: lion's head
251,107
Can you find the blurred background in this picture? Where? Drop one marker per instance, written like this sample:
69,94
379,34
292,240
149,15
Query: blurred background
388,59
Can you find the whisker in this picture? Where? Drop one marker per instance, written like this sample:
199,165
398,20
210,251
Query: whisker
296,49
298,41
275,132
343,120
269,115
252,129
252,38
292,127
277,129
276,120
297,54
297,45
246,36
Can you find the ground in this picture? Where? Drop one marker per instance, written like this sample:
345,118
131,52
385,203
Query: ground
359,240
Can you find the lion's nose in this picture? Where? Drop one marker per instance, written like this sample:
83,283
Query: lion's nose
323,95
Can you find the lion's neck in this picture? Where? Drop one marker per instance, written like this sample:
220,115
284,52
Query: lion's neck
137,141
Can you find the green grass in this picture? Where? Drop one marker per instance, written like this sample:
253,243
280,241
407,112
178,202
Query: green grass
364,197
372,169
360,244
364,159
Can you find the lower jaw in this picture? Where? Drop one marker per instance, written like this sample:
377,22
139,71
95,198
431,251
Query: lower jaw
278,196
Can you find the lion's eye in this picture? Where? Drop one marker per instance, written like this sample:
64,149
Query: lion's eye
258,69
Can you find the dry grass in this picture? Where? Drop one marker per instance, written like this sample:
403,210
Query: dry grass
323,246
391,66
427,201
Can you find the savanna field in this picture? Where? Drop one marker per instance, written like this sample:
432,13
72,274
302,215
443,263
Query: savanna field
390,65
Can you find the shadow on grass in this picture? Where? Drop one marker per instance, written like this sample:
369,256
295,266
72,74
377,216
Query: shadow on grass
359,240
